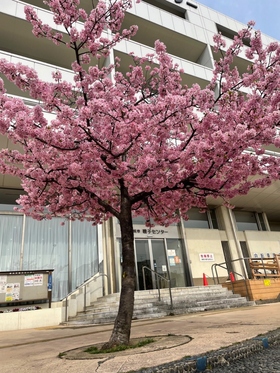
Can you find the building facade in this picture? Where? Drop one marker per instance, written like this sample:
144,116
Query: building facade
181,252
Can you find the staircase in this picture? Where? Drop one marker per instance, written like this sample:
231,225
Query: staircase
147,304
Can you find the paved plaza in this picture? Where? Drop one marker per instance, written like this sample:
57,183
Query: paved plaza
36,350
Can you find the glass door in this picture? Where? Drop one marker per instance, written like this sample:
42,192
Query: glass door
151,254
176,262
143,260
160,263
164,256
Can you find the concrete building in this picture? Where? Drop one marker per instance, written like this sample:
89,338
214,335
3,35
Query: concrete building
182,252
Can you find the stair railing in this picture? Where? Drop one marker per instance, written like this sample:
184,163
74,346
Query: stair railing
82,286
94,278
157,278
223,266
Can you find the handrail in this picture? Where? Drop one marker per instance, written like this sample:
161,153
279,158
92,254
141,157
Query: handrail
157,276
234,272
221,265
83,286
94,278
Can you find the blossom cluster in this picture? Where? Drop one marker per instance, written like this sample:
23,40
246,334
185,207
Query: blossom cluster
134,136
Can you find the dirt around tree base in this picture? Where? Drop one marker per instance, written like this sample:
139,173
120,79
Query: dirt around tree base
162,342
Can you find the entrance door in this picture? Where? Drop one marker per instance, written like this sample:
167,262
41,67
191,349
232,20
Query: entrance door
151,254
143,260
163,256
160,264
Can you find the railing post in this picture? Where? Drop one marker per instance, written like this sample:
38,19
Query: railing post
85,298
88,281
170,294
159,294
217,275
213,275
144,278
66,305
157,276
155,271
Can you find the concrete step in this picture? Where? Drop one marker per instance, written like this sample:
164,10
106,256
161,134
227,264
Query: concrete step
150,307
213,289
147,304
139,304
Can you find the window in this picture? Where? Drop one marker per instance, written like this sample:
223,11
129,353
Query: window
261,222
230,34
140,220
213,219
202,220
246,221
169,7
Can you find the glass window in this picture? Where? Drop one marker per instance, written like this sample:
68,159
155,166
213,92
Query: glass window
46,247
245,221
196,219
171,8
214,220
84,251
139,220
261,222
10,242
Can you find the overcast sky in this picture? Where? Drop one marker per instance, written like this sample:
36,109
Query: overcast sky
266,13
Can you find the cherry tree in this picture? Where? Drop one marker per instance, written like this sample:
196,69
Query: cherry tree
119,144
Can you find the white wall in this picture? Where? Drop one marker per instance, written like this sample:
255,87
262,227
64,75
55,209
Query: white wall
263,242
204,241
30,319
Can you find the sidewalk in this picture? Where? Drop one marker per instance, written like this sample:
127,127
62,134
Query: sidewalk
36,350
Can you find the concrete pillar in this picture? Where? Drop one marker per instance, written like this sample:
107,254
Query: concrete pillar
227,222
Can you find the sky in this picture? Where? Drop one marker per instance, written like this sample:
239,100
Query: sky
266,13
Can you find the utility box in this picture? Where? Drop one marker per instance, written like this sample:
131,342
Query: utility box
19,287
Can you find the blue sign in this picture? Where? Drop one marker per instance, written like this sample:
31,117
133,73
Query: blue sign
49,282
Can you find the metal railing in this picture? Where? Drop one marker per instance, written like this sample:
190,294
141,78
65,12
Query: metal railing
157,278
82,286
94,278
223,265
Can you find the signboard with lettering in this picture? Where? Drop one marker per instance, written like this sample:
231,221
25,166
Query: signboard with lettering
206,257
158,231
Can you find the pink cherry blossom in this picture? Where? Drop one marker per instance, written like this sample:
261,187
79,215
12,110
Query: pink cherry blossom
141,143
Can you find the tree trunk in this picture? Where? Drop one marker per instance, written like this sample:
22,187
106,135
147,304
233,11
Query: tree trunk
121,332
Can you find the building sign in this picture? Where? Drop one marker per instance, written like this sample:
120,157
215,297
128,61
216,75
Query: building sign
206,257
150,231
158,231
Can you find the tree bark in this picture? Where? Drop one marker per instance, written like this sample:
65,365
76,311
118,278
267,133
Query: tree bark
121,331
